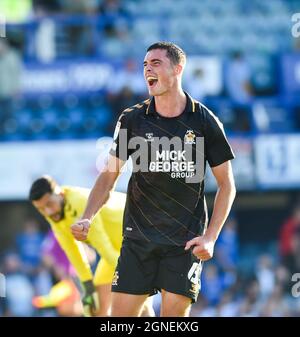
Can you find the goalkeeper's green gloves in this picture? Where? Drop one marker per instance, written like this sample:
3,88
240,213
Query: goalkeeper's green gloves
90,300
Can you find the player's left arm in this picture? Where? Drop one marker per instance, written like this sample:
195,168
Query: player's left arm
204,245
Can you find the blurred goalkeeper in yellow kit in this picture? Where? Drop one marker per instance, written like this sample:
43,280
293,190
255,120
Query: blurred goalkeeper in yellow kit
62,206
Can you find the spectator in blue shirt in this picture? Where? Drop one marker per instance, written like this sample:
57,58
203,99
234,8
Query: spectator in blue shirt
29,244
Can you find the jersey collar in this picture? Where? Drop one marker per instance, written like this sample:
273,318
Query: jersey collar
189,107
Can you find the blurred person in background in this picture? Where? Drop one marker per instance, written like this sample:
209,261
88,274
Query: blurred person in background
238,79
79,33
228,306
125,88
10,81
122,99
276,305
282,277
194,84
226,251
62,206
128,77
29,243
239,89
265,275
287,244
212,285
116,40
294,261
251,304
19,290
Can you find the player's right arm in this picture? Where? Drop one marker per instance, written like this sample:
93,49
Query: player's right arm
99,195
106,180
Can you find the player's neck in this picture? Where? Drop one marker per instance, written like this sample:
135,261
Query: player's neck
171,104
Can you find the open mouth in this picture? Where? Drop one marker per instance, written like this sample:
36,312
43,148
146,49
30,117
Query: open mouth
152,81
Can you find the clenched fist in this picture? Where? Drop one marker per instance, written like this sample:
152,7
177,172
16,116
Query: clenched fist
80,229
203,247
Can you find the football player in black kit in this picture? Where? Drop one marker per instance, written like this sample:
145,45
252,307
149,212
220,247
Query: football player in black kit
167,236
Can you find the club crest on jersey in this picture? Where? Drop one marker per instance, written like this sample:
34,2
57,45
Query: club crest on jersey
189,137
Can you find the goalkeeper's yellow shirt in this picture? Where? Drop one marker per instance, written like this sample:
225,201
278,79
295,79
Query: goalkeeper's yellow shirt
105,233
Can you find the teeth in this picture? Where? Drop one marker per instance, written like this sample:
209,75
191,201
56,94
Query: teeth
151,80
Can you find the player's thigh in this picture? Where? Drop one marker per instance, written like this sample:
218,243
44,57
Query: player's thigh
174,305
136,269
127,305
179,273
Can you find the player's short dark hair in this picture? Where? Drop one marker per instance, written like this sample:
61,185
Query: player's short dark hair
174,53
41,186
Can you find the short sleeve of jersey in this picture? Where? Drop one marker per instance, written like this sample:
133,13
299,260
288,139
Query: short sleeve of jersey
119,147
217,148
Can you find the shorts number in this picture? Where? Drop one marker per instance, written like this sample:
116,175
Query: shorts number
194,273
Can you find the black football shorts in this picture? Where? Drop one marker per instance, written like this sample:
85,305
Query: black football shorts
145,267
